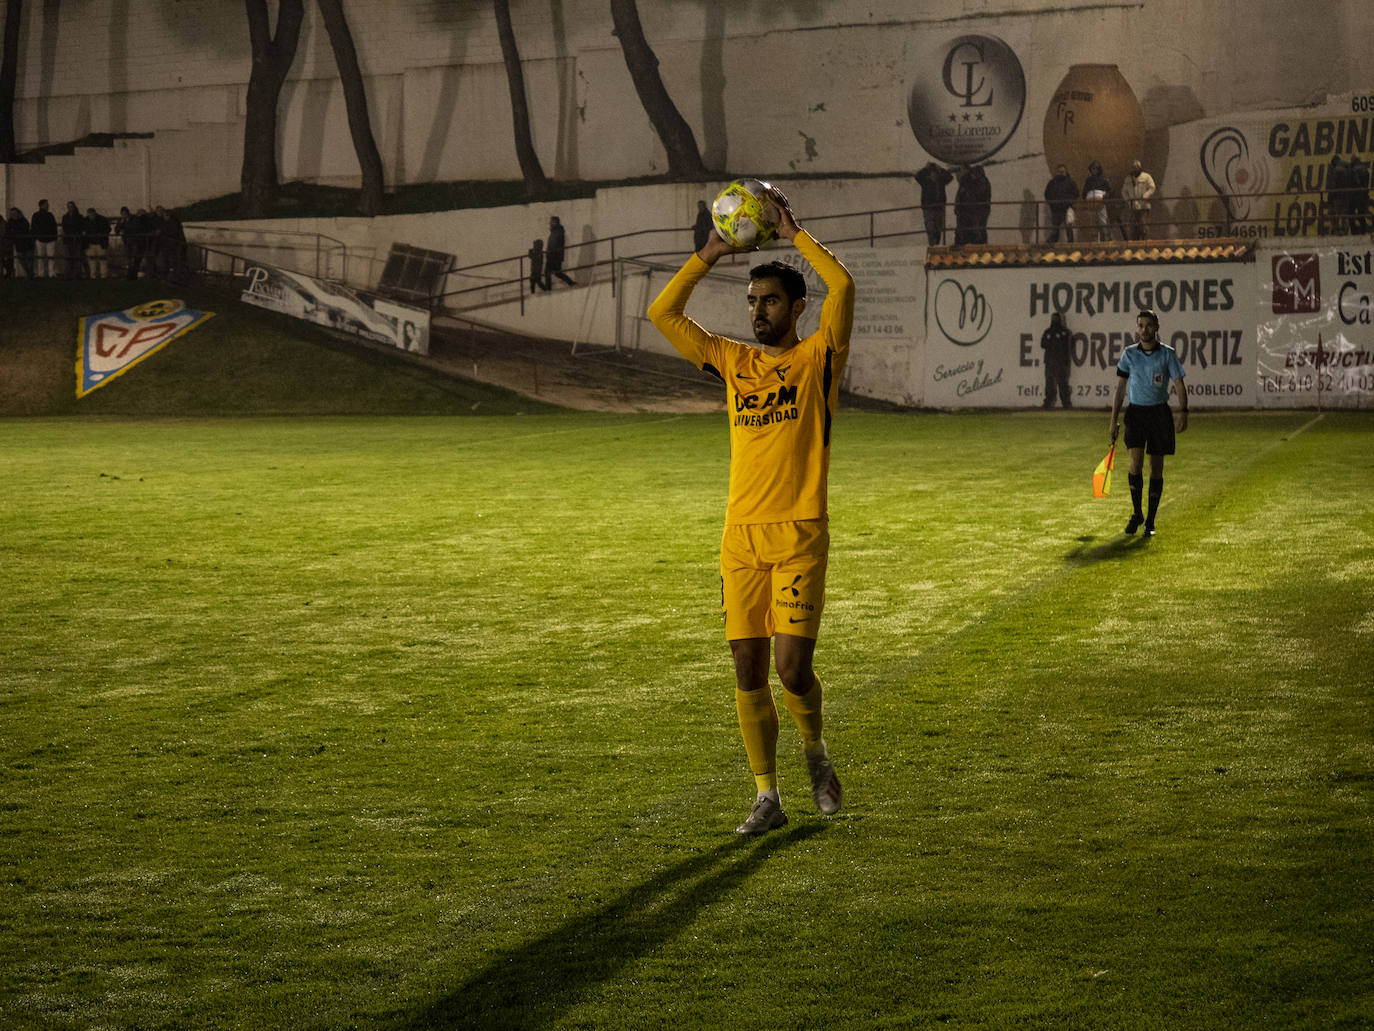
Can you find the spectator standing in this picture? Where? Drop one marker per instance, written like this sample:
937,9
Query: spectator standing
1060,194
972,206
1359,196
553,254
152,246
702,227
73,243
933,179
1338,195
44,228
120,225
171,243
982,203
1057,343
1095,190
536,256
137,230
97,243
1136,191
19,236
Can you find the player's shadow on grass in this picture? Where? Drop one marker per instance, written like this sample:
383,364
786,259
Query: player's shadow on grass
533,985
1087,552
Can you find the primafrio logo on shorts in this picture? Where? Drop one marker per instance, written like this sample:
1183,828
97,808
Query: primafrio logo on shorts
1297,284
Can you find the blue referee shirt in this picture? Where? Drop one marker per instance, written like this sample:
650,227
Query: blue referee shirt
1148,373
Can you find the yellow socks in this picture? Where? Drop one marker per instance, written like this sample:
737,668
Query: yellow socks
806,713
758,725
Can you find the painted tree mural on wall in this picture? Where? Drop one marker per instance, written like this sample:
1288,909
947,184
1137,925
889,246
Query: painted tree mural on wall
355,99
9,76
272,57
275,30
536,183
684,159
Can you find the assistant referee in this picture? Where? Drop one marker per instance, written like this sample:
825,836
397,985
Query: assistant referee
1146,370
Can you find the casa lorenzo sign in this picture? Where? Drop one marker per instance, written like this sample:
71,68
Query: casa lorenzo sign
966,106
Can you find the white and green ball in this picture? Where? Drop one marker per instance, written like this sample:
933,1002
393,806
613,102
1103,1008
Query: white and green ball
743,215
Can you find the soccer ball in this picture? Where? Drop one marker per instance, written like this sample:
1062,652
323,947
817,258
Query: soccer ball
743,215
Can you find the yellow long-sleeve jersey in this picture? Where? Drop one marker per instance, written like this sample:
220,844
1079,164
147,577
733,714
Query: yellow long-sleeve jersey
781,408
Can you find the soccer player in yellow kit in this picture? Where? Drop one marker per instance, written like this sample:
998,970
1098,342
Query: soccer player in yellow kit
781,398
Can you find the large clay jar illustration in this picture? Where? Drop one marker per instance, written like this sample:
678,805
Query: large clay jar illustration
1094,116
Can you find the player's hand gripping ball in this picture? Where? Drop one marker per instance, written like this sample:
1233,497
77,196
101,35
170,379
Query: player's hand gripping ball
743,214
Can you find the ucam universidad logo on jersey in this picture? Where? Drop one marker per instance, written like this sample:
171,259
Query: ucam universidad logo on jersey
765,409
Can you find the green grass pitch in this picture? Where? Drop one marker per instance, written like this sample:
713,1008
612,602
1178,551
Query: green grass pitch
428,723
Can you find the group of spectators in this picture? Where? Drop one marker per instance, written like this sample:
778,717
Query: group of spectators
1095,212
547,262
1347,202
1347,196
972,202
1064,201
90,246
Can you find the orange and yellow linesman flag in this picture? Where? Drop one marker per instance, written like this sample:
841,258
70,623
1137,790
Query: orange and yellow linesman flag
1102,475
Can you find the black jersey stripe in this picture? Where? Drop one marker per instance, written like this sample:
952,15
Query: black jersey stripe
825,393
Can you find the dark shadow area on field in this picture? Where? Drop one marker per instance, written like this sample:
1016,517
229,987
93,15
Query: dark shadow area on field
533,985
1086,553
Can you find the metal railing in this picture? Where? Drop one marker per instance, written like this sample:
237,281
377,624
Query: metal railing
315,254
1014,222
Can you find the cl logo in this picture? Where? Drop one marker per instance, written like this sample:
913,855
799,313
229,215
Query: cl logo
969,53
966,99
962,313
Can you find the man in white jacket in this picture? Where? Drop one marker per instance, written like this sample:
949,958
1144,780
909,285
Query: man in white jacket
1136,191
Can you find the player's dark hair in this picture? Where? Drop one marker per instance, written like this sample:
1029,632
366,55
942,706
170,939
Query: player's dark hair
793,282
1148,313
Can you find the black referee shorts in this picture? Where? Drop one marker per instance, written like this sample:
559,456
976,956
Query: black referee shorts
1150,427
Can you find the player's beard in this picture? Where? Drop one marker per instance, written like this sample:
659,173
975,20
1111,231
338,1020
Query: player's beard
768,333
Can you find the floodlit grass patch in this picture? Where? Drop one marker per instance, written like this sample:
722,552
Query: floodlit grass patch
428,722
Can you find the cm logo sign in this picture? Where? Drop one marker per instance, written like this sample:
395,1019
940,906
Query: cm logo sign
963,314
1297,284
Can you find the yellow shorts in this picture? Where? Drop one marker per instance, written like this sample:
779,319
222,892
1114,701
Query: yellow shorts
772,578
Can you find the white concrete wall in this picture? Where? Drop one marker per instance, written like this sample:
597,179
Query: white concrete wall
784,90
817,87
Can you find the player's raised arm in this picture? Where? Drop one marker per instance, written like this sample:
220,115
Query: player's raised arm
787,222
715,248
837,313
668,310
